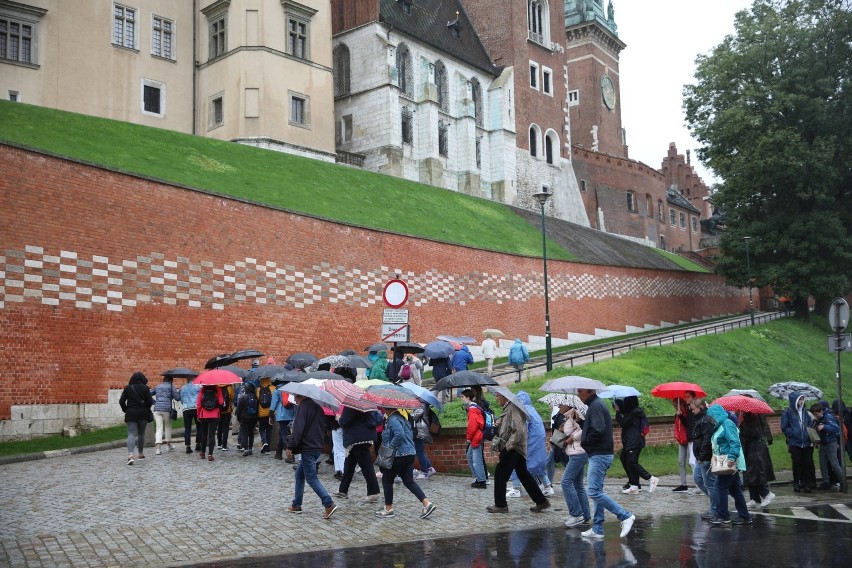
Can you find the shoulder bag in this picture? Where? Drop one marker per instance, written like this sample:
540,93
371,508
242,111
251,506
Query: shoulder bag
719,465
385,457
813,435
557,438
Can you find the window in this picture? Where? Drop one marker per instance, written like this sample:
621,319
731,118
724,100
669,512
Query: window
672,217
479,152
662,242
476,94
216,112
162,34
406,6
683,220
218,36
582,185
124,26
18,33
649,208
631,202
407,126
534,75
298,38
548,149
442,86
534,141
551,147
153,98
443,139
660,210
404,71
546,81
573,98
344,129
341,70
538,25
15,96
300,111
694,221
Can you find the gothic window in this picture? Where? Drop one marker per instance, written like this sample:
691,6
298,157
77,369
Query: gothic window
534,141
649,207
479,152
631,202
442,86
341,70
407,126
660,210
443,139
551,148
672,217
538,24
404,71
476,93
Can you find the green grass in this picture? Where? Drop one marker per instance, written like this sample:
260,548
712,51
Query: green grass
330,191
684,263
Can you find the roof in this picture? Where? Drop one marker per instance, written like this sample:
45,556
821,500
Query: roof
674,197
433,23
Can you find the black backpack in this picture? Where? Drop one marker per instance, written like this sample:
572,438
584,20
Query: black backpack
251,404
208,398
226,397
265,397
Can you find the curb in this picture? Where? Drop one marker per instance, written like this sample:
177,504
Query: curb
6,460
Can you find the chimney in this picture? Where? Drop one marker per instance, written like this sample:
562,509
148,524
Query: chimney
687,158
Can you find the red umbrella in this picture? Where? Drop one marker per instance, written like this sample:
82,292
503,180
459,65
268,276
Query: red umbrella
392,396
217,377
348,395
677,389
742,403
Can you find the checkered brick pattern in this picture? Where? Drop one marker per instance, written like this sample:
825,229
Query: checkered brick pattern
98,282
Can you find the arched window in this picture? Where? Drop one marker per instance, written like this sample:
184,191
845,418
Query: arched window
341,70
538,22
476,93
404,70
442,86
551,148
534,136
649,207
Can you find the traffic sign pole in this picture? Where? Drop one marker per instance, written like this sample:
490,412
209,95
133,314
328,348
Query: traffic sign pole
838,318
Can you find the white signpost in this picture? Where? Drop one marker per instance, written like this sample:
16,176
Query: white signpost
395,320
394,333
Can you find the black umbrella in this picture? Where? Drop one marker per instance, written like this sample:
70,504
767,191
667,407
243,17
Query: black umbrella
464,379
238,371
438,350
270,371
301,359
376,347
218,361
347,352
229,358
289,377
358,362
409,347
180,372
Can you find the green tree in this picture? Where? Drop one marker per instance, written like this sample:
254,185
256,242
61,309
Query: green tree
772,108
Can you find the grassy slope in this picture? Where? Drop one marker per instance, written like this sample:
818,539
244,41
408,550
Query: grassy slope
684,263
326,190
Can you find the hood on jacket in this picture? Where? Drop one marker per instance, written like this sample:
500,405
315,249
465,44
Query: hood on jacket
138,378
382,355
717,413
464,348
628,403
525,398
794,397
518,341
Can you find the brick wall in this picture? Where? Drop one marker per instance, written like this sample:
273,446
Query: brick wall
104,273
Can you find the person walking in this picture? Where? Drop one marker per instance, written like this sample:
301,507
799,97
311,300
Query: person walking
136,402
164,395
461,359
795,422
398,435
188,396
308,439
282,411
247,412
726,441
573,485
264,402
209,404
225,414
759,471
379,370
684,425
829,436
474,437
415,366
632,420
518,357
703,452
359,433
489,352
422,436
596,440
511,445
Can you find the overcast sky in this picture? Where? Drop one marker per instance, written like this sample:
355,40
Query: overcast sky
663,38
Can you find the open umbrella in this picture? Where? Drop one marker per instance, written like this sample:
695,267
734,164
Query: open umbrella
783,390
348,395
618,391
742,403
571,383
557,398
301,359
333,361
271,371
365,383
376,347
217,361
456,339
358,362
180,372
392,396
216,377
677,389
464,379
409,347
238,371
745,392
348,352
438,350
289,377
510,396
423,394
230,358
324,376
495,333
313,392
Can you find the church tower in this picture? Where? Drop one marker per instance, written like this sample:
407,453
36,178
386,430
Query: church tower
592,49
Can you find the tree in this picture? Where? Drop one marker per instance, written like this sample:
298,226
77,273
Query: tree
772,108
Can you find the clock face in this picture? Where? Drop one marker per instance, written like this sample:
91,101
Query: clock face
608,92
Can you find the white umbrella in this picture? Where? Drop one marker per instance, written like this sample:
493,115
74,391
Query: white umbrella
313,392
511,397
557,398
571,383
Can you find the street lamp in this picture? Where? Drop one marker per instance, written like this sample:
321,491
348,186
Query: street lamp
542,198
748,269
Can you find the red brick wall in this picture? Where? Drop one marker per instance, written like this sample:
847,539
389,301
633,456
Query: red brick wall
105,273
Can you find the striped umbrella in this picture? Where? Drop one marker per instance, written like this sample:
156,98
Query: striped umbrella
348,395
392,396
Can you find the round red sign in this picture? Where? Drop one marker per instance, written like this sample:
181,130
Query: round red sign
395,293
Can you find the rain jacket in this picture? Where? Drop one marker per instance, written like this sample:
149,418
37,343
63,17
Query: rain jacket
358,427
536,443
759,468
188,395
397,434
518,354
203,412
597,428
461,359
264,412
489,349
164,394
229,409
830,428
629,417
440,367
573,428
135,400
513,429
379,370
308,428
794,423
279,407
420,416
726,437
475,425
703,431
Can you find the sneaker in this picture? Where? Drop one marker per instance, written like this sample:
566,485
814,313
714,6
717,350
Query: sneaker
384,513
329,511
573,521
289,460
591,534
264,449
188,450
239,448
681,489
219,448
496,509
652,483
171,448
158,452
752,504
341,495
430,472
695,491
130,460
631,489
371,498
246,453
479,485
539,507
626,525
224,448
548,491
626,485
428,510
768,499
397,480
420,475
708,516
741,521
513,492
357,469
294,509
721,523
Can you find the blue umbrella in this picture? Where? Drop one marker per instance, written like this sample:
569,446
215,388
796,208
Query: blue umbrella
423,394
438,350
618,391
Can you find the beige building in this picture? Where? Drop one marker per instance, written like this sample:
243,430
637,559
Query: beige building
253,71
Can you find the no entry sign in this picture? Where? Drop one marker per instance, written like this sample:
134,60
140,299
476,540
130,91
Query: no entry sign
395,293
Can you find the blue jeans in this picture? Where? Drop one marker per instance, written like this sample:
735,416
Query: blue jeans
573,488
306,471
598,466
706,482
422,458
730,485
550,464
476,462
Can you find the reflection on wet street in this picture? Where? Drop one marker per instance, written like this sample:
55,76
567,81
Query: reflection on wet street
773,540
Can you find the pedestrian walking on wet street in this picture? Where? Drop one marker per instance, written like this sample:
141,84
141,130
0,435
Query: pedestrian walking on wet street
308,438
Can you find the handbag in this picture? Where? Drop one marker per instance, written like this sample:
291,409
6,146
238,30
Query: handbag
173,413
557,438
719,465
813,435
385,457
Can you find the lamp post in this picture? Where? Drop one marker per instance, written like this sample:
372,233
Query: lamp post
542,198
748,269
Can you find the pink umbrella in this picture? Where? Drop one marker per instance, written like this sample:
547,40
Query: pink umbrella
677,389
740,403
348,395
217,377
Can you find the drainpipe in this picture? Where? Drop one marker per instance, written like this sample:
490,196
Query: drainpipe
194,65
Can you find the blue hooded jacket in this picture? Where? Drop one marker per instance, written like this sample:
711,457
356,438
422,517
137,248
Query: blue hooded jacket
462,358
518,354
536,449
794,423
729,439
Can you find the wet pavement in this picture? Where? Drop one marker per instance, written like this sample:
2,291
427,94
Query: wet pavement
91,509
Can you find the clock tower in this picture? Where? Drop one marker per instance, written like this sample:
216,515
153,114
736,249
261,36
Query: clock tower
592,49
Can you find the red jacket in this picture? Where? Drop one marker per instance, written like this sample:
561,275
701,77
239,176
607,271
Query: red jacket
203,412
475,425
